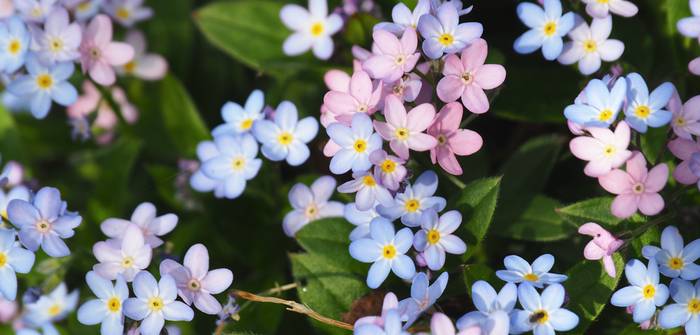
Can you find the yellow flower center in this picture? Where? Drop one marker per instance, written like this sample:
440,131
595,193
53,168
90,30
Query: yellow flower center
37,12
246,124
285,138
155,304
43,226
446,39
127,262
369,181
676,263
238,163
114,304
609,150
602,1
130,66
389,251
54,310
402,133
388,166
123,13
3,259
605,115
3,213
85,6
694,306
433,236
317,29
541,317
362,108
360,146
194,285
44,81
412,205
642,111
14,46
649,291
590,46
311,211
531,277
56,44
550,28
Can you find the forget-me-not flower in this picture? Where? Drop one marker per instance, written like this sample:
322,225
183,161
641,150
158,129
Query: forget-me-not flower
14,42
443,34
199,181
43,84
311,203
356,143
368,191
235,164
403,17
644,109
17,192
312,28
53,307
686,310
492,309
591,45
145,217
519,271
125,257
542,313
547,27
423,296
673,258
287,137
60,39
360,219
414,200
601,104
436,238
645,292
13,259
106,309
240,119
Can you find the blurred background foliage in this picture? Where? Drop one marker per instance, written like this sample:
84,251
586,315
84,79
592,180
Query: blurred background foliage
221,50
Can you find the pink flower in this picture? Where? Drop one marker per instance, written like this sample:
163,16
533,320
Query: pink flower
405,130
361,97
684,149
468,77
694,66
686,117
452,140
389,168
604,151
395,57
98,54
603,246
8,310
637,188
146,66
406,88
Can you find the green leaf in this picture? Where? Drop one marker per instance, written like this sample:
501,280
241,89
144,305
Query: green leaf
589,289
591,210
182,121
10,143
476,272
653,142
539,222
358,29
329,238
477,203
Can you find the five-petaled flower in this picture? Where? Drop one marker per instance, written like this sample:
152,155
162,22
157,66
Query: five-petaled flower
519,271
107,308
547,27
645,292
313,29
311,203
286,137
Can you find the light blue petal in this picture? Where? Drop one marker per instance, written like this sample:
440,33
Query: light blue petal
528,42
7,238
636,272
520,321
286,116
436,203
617,95
21,259
403,267
266,131
22,86
378,273
426,184
439,285
202,183
342,162
275,151
517,263
419,286
693,325
636,124
40,104
152,324
553,297
340,134
653,271
509,276
92,312
390,212
362,125
234,186
62,71
177,311
508,296
218,168
673,316
552,8
410,219
232,112
306,129
434,257
298,153
691,252
543,263
597,94
552,47
659,118
643,311
224,129
682,290
403,240
530,14
381,230
8,283
566,23
112,325
248,146
365,250
580,114
649,251
661,295
638,90
483,296
528,297
135,309
563,320
691,271
54,246
660,96
255,102
543,329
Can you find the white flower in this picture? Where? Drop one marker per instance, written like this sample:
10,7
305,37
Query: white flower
145,218
590,45
155,303
368,191
52,307
602,8
311,204
519,271
240,119
286,138
107,308
404,18
313,29
127,256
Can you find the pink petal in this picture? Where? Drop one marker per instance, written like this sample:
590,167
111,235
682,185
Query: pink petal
361,86
385,130
340,103
675,104
217,280
637,167
450,88
102,73
683,148
100,30
475,99
694,66
465,142
616,182
447,120
331,148
386,42
651,204
409,41
586,148
622,135
453,66
379,66
609,265
684,175
337,80
597,168
117,53
474,56
206,303
624,206
420,117
490,76
394,111
448,161
400,148
151,67
656,179
421,142
593,252
197,260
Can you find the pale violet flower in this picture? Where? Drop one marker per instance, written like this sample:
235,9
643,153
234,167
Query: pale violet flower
423,296
368,191
17,192
44,222
356,143
673,258
415,199
386,249
60,39
199,181
126,257
645,292
312,28
591,45
436,237
690,26
311,203
360,219
391,325
601,105
240,119
107,308
390,169
645,109
144,65
443,34
52,307
127,12
542,313
87,9
286,137
145,218
404,18
603,8
14,43
519,271
195,282
373,324
686,310
35,11
547,27
492,309
235,163
13,259
154,303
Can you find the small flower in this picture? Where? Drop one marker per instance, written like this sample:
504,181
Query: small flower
240,119
406,130
644,109
355,144
144,217
443,34
128,12
195,282
52,307
415,199
17,192
451,140
154,303
98,53
391,325
125,257
44,222
13,259
407,88
404,18
542,313
360,97
107,308
234,164
386,249
645,292
199,181
146,66
547,27
686,117
14,172
311,204
467,77
286,137
440,324
60,39
493,308
436,237
43,84
686,310
14,42
637,188
35,11
601,105
519,271
603,246
604,150
312,28
423,296
684,149
389,168
590,45
368,190
361,219
603,8
674,259
690,26
394,57
390,303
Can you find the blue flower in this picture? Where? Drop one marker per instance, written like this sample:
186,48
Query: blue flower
492,308
601,104
686,310
386,249
154,303
44,222
13,259
443,34
415,199
241,119
369,191
360,219
644,109
107,308
17,192
286,137
519,270
356,143
51,308
199,181
44,84
436,238
645,291
547,27
673,258
14,43
542,314
423,296
311,203
234,164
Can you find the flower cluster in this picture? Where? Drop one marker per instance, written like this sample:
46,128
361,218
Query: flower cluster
589,45
230,160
